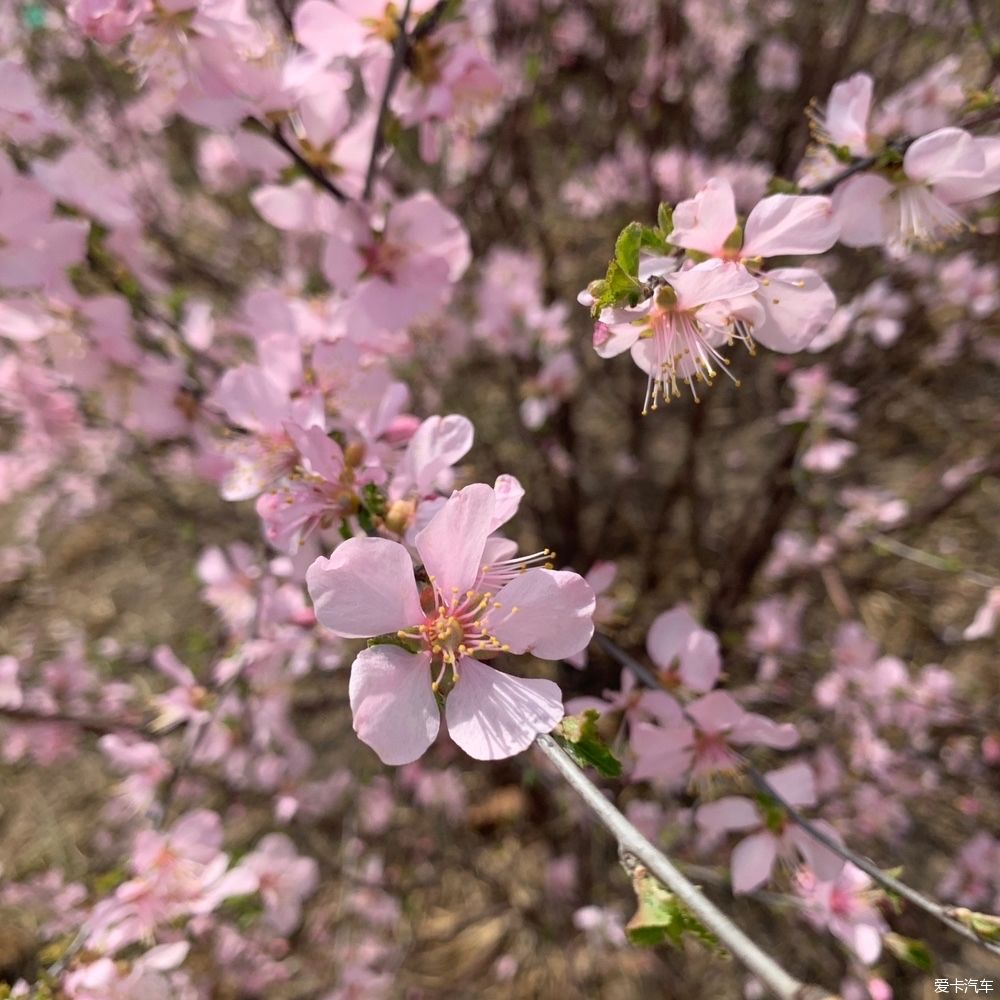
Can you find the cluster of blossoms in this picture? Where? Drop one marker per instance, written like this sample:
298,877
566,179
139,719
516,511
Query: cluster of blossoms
294,391
696,309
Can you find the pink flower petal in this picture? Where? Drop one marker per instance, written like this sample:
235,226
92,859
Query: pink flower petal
452,545
790,224
945,155
395,711
705,221
796,784
858,206
732,812
366,588
797,304
492,715
752,861
554,614
710,282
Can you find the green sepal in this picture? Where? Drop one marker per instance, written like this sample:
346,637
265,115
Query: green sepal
662,918
910,950
579,737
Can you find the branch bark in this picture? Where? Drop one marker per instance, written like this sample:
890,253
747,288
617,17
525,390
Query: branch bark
631,842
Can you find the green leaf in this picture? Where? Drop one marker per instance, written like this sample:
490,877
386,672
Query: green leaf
373,499
653,239
627,248
662,918
910,950
665,219
617,288
578,736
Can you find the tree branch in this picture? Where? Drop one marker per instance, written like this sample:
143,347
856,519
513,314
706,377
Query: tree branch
399,53
890,882
918,899
631,842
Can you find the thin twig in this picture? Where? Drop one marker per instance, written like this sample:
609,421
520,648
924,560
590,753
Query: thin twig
631,842
399,52
890,882
900,146
918,899
317,175
89,724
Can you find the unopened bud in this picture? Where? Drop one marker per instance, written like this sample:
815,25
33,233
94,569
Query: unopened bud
399,515
354,453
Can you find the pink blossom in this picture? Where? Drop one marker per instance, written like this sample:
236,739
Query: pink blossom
24,116
845,123
106,21
776,632
685,653
789,305
701,739
601,925
633,702
35,248
939,170
401,271
436,446
284,879
479,602
777,835
845,906
674,335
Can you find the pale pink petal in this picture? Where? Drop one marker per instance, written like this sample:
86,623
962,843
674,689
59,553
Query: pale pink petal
507,495
319,452
866,941
366,588
790,224
968,188
289,207
251,399
667,635
797,305
796,784
601,576
710,282
948,154
846,118
752,861
546,612
437,445
328,31
664,708
395,711
616,338
451,546
661,754
858,207
705,221
492,715
825,863
753,728
732,812
716,712
700,661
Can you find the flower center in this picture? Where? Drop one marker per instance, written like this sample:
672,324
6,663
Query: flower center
680,352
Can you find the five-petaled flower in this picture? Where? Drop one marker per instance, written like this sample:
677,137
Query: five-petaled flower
479,601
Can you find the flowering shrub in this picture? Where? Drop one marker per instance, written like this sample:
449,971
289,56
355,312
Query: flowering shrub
284,286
